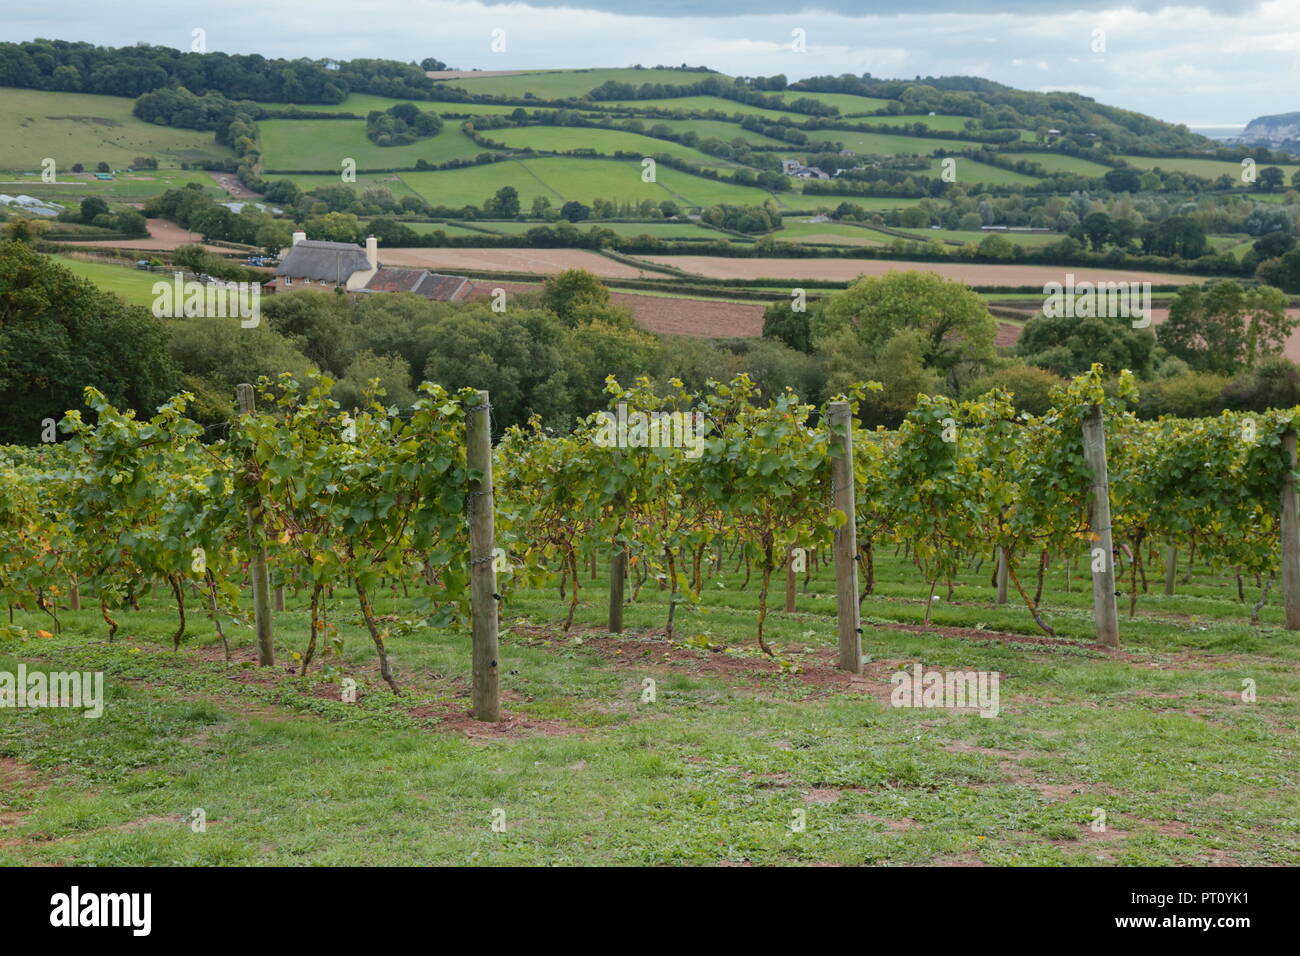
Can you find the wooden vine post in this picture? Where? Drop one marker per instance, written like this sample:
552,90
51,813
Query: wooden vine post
1002,576
1103,578
1171,568
617,575
482,564
617,578
791,584
1290,534
839,421
257,556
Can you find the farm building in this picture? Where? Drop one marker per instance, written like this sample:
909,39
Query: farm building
31,205
316,262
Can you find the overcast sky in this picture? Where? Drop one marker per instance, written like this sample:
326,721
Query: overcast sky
1216,62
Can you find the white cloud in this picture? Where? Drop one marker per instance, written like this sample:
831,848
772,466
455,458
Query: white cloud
1174,62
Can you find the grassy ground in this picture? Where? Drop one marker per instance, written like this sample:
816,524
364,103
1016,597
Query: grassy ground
564,139
797,229
714,129
392,181
706,103
125,187
715,769
973,171
451,229
951,124
892,144
849,104
361,104
561,179
661,230
83,128
561,84
1060,163
1027,239
133,285
324,144
1208,168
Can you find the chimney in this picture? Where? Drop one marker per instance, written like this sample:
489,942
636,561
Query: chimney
372,251
299,237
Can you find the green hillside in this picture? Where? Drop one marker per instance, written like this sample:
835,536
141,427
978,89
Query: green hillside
562,84
324,144
567,139
82,128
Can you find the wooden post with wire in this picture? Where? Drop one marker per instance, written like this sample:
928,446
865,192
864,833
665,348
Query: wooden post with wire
257,556
486,694
1290,534
839,420
1104,607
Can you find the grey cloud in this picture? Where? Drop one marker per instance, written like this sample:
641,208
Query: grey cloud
859,8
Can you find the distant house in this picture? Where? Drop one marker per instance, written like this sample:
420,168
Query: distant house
791,166
317,263
103,175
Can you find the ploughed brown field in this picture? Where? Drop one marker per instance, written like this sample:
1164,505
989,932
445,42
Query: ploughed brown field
164,235
846,270
541,261
700,317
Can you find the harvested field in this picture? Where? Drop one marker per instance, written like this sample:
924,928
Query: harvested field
705,318
164,235
701,317
846,270
541,261
1008,334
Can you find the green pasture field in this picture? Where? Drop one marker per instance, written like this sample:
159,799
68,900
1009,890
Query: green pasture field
704,103
1237,245
324,144
126,187
564,178
392,181
1060,163
891,144
945,123
660,230
451,229
1029,240
869,203
971,170
1208,168
604,141
83,128
133,285
565,84
849,104
716,766
795,230
717,129
362,104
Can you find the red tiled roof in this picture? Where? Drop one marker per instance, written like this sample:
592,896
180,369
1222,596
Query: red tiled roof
390,279
421,282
